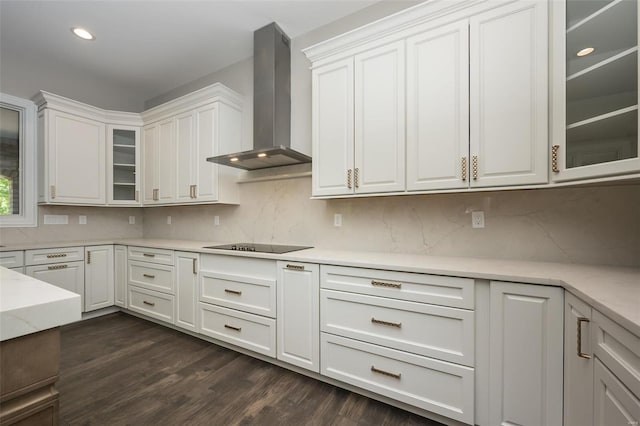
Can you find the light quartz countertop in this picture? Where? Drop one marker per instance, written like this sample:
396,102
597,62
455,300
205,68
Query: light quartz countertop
28,305
614,291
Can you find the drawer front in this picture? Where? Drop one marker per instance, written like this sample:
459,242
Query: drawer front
246,293
151,303
248,331
437,386
264,269
430,330
613,403
12,259
53,255
153,255
433,289
151,276
619,350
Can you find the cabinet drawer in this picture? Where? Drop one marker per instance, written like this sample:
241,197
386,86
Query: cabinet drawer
613,403
68,275
434,289
53,255
151,276
151,303
12,259
619,350
241,267
153,255
249,331
437,386
434,331
246,293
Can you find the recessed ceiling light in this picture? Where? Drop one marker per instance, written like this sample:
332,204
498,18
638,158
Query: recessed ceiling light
585,51
234,159
82,33
262,154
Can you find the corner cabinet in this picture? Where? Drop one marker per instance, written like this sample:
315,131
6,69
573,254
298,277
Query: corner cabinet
123,161
595,107
475,96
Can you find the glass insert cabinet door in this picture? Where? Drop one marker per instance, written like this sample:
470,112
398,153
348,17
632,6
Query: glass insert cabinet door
600,131
10,161
124,153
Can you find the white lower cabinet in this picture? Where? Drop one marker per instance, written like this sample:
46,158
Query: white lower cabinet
238,301
98,277
12,259
298,319
613,403
69,275
186,290
152,303
438,386
526,355
120,275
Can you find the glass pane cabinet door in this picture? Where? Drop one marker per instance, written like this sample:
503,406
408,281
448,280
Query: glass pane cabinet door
601,90
124,154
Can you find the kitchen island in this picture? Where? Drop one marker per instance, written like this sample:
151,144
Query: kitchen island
31,312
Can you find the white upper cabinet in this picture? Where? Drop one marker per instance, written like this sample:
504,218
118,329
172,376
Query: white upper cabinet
332,115
437,108
74,155
379,120
185,153
595,105
150,163
123,165
508,93
160,153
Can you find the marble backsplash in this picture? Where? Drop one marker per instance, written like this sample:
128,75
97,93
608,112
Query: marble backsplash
102,223
588,225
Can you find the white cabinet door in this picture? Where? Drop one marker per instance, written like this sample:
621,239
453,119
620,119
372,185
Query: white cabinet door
76,160
186,289
379,159
69,276
578,364
614,404
298,319
508,86
120,275
166,153
185,153
208,134
526,354
332,112
98,277
150,163
438,108
123,165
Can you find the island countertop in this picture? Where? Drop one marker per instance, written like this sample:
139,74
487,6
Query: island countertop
28,305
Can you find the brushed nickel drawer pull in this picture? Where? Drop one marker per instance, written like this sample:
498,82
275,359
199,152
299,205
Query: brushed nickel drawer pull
232,327
53,191
474,167
391,324
137,196
148,303
54,267
384,284
88,258
349,179
226,290
295,267
464,169
554,158
148,255
54,255
195,267
579,342
386,373
148,276
356,178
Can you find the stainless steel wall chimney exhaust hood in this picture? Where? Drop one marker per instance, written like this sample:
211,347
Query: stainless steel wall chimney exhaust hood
271,106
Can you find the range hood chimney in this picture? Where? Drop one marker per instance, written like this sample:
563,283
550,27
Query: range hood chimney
271,106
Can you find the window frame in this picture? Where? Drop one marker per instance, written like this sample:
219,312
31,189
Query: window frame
28,216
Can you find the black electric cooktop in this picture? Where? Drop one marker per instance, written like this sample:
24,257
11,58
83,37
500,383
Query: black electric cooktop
260,248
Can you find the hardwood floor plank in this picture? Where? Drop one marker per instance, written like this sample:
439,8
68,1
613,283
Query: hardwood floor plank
123,370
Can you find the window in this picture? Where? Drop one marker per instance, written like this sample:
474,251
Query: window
17,162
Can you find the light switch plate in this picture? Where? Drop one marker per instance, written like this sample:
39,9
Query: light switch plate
132,220
168,220
216,220
337,219
82,219
56,219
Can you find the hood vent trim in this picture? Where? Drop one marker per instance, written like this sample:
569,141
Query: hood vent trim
271,106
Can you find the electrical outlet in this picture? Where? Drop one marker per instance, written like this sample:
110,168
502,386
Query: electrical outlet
132,220
337,219
82,219
477,219
216,220
168,220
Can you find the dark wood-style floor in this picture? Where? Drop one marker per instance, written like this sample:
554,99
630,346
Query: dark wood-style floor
122,370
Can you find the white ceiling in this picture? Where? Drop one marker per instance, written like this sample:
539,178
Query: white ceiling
151,45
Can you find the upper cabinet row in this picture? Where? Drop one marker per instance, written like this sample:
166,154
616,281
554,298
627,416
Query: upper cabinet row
89,156
442,98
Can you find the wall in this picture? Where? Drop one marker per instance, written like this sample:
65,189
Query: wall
102,223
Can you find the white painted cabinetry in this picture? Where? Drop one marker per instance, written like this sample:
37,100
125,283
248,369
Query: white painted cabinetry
123,165
159,156
98,277
298,327
120,275
72,157
186,289
526,355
